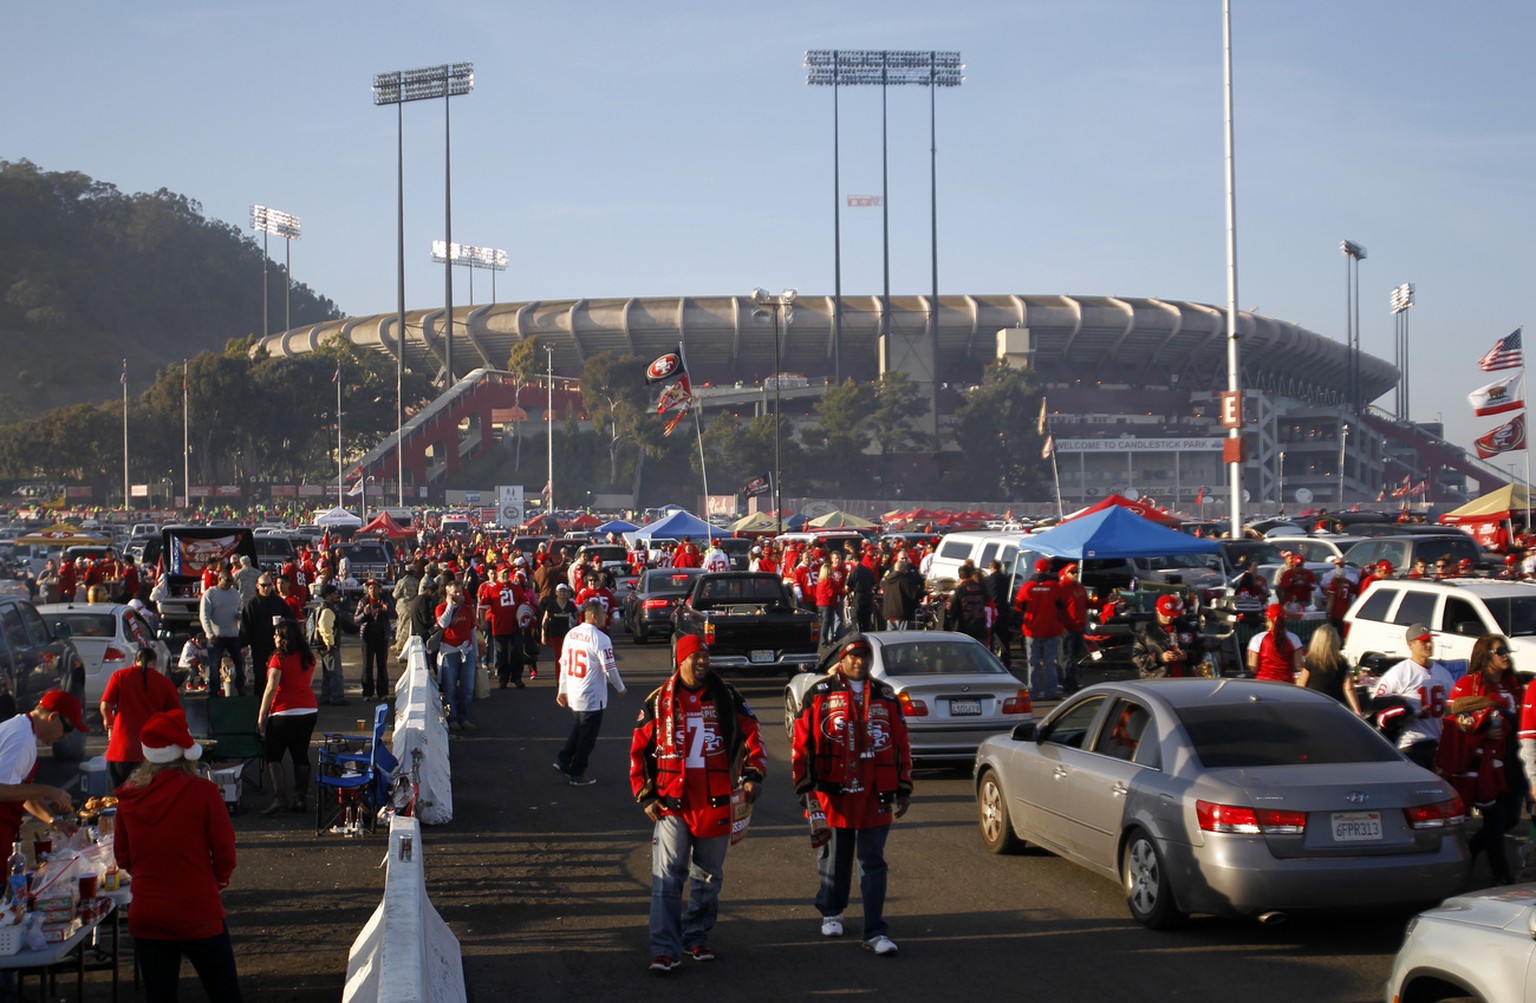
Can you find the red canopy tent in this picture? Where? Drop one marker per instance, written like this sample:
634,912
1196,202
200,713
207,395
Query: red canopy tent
584,521
1153,513
385,525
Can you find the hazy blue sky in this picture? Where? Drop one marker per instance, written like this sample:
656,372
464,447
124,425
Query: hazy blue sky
668,148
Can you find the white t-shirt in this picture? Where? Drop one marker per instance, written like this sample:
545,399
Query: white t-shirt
587,666
1427,688
716,560
18,749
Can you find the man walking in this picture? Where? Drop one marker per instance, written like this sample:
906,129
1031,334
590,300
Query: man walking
587,666
372,618
851,763
1038,604
328,633
901,591
257,618
696,742
219,612
1425,687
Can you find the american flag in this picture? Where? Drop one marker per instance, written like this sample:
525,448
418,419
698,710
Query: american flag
1505,354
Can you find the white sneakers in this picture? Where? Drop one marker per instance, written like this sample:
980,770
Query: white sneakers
881,945
832,926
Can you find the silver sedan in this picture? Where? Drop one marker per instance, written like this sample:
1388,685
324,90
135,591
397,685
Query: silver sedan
1232,797
953,691
1477,946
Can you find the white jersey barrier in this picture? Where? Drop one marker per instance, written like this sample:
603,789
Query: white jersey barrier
421,737
405,952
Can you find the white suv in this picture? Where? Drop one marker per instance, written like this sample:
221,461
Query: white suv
1458,611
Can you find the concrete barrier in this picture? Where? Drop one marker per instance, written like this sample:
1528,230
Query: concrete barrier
421,737
405,952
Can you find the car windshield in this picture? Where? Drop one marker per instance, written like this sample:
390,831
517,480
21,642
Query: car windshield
366,553
1276,733
938,658
82,624
1263,553
1515,615
668,583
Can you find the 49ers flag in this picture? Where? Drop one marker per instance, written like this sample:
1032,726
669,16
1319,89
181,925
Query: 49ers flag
1506,438
667,366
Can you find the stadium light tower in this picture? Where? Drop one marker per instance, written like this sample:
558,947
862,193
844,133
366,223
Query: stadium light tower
446,81
492,258
868,67
765,304
1353,254
1402,302
285,225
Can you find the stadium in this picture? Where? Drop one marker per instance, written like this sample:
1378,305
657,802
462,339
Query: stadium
1130,382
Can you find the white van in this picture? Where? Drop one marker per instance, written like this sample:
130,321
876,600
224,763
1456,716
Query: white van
978,548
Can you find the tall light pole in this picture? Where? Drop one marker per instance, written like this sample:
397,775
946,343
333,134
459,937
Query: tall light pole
868,67
446,81
287,226
1234,444
549,421
493,259
765,304
1353,255
1402,302
1343,448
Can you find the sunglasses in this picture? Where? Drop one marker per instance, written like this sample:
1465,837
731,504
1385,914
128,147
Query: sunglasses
1498,651
65,722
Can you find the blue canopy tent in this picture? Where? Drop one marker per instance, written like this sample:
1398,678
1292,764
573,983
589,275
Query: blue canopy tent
676,526
1115,532
616,526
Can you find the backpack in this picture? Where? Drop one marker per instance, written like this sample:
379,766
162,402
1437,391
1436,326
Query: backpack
312,627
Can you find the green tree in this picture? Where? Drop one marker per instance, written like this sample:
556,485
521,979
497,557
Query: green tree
996,429
898,405
522,363
841,434
614,393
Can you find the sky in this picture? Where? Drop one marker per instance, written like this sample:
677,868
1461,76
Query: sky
672,148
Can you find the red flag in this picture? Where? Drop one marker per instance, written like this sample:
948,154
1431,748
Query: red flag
1200,496
1507,438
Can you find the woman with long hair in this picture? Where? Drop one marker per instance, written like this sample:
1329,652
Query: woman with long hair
132,695
287,716
1478,751
175,839
1323,668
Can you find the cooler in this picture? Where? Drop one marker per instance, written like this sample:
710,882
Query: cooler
95,781
230,783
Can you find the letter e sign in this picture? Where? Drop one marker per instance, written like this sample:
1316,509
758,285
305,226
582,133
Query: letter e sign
1232,409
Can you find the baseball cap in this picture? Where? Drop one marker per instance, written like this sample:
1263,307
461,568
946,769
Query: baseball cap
1418,632
1070,568
562,587
1169,605
66,706
1042,565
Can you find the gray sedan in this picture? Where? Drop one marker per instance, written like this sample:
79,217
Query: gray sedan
1232,797
953,691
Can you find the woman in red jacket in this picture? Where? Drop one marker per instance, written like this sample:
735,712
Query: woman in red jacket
131,696
174,837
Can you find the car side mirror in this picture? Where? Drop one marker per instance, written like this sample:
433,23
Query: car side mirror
1025,732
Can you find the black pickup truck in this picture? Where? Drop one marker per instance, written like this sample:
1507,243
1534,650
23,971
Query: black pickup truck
749,621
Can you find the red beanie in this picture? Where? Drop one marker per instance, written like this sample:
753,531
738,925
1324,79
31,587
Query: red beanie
687,645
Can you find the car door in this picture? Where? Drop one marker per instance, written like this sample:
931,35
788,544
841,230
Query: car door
1101,778
1042,794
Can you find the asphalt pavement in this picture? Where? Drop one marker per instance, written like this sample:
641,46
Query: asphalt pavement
547,888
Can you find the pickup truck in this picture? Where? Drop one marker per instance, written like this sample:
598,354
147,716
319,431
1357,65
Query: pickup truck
749,621
187,550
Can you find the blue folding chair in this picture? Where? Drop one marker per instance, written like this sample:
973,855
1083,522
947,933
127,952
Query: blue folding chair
348,780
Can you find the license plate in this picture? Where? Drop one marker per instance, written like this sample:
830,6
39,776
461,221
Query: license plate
760,655
964,708
1356,826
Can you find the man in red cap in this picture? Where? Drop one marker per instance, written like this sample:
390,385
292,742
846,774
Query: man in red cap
1296,582
1172,647
695,743
586,668
1424,684
1038,603
57,714
851,762
1074,617
1275,655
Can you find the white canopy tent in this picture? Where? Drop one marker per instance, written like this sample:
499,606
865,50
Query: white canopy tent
337,517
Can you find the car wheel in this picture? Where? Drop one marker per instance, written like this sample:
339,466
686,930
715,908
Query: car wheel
1148,889
997,833
791,711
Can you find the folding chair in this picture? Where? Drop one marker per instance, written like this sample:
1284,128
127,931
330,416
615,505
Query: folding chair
347,782
232,729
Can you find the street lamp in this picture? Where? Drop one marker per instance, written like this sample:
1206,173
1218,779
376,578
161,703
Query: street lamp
446,81
1353,254
855,67
492,258
1402,302
1343,445
285,225
549,422
765,304
1280,477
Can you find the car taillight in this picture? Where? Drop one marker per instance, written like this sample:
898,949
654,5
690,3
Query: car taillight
114,654
912,708
1436,816
654,604
1250,821
1018,704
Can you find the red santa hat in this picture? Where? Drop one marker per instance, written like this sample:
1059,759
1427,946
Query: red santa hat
165,738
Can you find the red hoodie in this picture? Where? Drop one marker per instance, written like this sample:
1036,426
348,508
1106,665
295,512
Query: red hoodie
175,838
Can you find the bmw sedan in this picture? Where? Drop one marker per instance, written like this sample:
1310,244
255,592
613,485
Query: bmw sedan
647,606
1225,796
953,691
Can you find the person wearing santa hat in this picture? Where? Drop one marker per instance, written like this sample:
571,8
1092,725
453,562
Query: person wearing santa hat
696,742
175,838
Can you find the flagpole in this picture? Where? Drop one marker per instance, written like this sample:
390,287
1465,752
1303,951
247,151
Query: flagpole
1056,473
124,381
338,435
186,452
698,427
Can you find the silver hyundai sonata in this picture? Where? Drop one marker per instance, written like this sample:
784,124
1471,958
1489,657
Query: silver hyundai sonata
1226,796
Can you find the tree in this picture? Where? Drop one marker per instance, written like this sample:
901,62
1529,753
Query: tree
898,404
996,429
614,393
842,432
521,364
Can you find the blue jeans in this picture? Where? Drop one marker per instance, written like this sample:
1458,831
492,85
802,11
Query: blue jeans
1074,648
332,687
831,623
508,652
218,647
1042,667
677,855
834,865
456,678
583,739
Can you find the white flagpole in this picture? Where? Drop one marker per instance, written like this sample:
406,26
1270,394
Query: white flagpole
127,502
698,427
186,453
338,435
1056,473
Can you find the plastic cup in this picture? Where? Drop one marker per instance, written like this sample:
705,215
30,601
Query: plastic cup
87,887
41,848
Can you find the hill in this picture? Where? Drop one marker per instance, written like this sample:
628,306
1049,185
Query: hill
90,276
